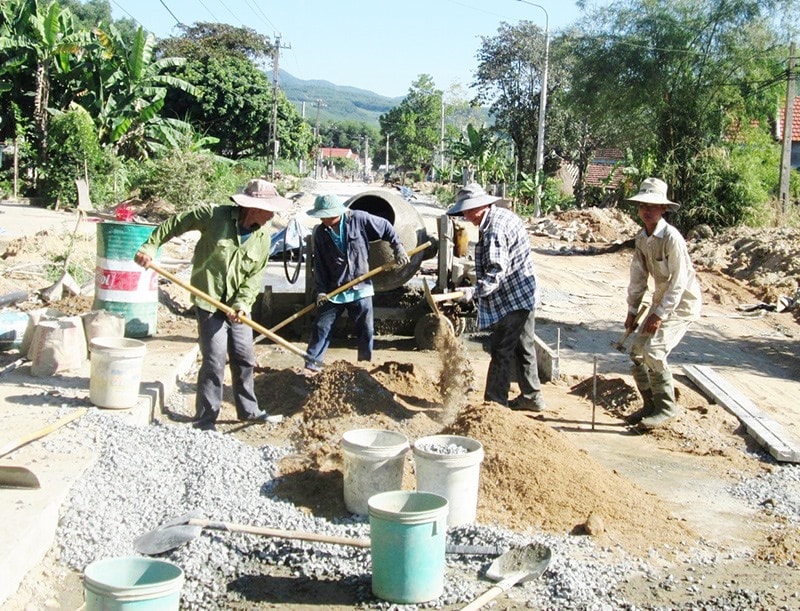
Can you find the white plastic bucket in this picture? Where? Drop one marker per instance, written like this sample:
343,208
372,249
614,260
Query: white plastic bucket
373,463
116,371
132,583
455,476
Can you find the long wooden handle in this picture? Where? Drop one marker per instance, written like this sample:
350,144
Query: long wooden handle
229,310
17,443
347,285
495,591
276,532
447,296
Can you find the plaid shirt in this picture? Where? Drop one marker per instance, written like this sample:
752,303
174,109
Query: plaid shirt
504,267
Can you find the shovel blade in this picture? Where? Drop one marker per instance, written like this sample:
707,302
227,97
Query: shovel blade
166,539
531,561
18,477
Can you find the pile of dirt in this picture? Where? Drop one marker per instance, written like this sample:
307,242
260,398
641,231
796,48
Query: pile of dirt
548,484
544,484
763,258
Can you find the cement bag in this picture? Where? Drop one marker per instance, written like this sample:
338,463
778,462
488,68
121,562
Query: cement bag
57,345
34,318
102,323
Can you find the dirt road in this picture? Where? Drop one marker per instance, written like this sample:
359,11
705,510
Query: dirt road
686,472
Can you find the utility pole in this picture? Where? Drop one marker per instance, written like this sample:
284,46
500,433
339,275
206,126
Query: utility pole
316,141
276,54
387,156
788,124
366,155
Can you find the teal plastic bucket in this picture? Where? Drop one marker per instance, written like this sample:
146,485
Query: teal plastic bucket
132,583
407,541
121,285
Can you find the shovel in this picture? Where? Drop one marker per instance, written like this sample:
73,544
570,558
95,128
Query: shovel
515,566
55,291
229,310
20,477
620,345
344,287
185,528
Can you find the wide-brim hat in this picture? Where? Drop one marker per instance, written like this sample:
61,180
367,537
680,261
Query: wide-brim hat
259,193
327,206
653,191
470,197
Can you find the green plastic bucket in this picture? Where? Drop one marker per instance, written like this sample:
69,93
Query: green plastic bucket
407,541
121,285
132,583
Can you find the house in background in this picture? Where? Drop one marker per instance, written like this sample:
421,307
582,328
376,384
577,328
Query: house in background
605,169
795,156
328,157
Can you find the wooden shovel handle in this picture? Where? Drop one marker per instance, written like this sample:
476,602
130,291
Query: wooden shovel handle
347,285
495,591
17,443
447,296
229,310
276,532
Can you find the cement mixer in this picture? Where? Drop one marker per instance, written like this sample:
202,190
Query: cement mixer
399,304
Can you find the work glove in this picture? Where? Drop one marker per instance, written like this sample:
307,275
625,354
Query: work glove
401,258
469,293
321,298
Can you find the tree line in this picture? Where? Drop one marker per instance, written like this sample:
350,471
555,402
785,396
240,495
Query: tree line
688,90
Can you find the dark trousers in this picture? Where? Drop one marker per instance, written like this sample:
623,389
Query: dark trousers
512,344
359,311
221,340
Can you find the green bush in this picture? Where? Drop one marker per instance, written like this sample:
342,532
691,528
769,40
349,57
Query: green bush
729,185
181,178
74,151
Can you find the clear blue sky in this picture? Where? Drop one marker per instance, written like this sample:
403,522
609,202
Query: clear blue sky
379,46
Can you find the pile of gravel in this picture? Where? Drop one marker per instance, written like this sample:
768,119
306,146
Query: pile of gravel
145,476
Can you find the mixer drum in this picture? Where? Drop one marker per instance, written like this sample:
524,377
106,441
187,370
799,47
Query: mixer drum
410,228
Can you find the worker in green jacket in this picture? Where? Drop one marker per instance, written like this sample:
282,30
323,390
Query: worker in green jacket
228,265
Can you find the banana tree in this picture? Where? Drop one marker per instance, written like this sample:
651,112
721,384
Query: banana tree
127,89
480,156
39,40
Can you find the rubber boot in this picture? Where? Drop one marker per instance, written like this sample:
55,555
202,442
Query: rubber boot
642,379
647,409
663,399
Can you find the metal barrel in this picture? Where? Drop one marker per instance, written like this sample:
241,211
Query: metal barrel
122,286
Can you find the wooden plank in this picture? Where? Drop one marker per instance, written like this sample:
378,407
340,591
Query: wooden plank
768,433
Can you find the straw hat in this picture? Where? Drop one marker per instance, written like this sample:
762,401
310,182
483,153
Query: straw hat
470,197
653,191
263,195
327,206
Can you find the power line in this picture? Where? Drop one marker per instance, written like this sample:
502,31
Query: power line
235,17
213,16
126,12
256,12
177,21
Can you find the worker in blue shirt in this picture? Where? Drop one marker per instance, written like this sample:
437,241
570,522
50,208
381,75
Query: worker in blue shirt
341,254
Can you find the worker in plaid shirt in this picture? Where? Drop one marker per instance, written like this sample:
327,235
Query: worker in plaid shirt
505,294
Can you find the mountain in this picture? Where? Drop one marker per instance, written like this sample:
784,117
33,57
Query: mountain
337,103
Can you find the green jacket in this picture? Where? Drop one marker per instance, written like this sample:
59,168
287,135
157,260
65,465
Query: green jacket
223,267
